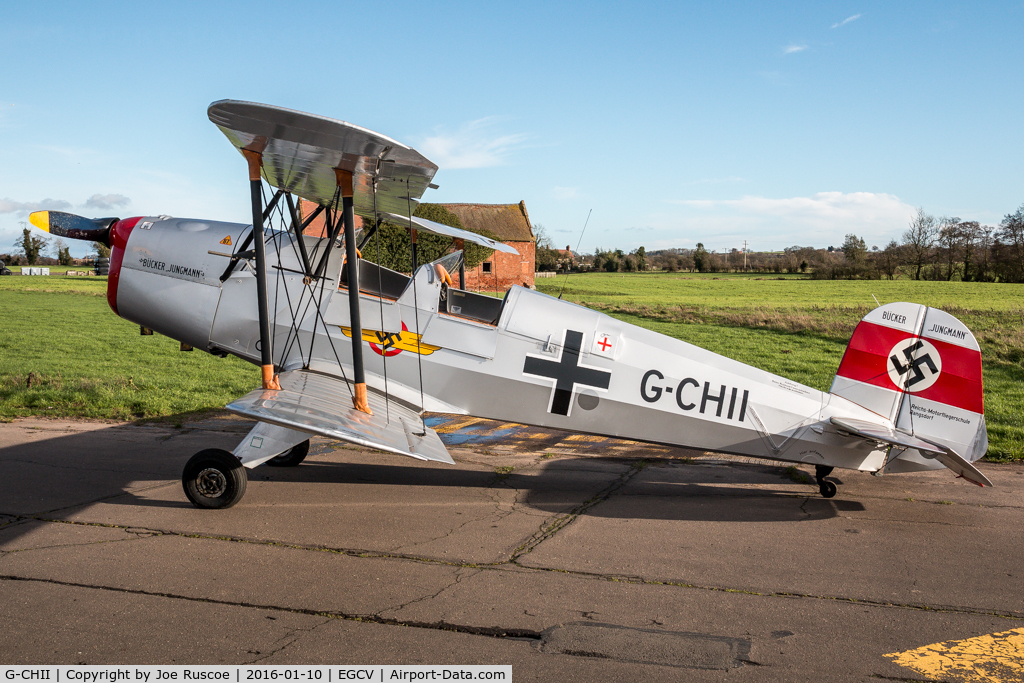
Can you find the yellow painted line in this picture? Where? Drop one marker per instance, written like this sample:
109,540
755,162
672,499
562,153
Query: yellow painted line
456,426
584,437
995,658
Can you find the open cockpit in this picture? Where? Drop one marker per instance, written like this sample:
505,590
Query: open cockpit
379,282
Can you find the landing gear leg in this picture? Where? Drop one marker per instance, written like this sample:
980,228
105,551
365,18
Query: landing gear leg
827,488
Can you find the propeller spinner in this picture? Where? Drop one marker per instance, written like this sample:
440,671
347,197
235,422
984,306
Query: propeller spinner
74,227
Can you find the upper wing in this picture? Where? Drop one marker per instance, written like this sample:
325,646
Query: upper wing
321,404
417,223
301,152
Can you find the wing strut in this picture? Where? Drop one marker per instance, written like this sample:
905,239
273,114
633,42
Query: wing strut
349,218
460,244
255,159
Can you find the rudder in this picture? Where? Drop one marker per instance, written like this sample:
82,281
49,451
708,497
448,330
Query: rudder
920,368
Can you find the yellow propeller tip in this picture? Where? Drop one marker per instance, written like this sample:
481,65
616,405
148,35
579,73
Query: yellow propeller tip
40,219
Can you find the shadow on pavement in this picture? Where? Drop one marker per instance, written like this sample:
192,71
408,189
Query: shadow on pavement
46,475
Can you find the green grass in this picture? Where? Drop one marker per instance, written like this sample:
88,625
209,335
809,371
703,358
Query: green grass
84,361
736,290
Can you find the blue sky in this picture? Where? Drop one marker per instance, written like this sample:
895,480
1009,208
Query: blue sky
675,124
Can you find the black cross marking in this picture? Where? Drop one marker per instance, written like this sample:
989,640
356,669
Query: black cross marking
913,364
566,372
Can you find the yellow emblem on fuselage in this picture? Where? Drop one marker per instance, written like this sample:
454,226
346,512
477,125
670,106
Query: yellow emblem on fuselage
392,343
226,240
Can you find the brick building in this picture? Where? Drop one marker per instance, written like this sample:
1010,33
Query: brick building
510,223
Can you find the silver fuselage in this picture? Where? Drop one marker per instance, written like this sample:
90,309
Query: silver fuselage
545,362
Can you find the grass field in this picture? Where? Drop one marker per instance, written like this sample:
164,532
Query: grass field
63,352
86,362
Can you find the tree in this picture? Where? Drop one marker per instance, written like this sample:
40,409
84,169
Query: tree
700,258
1011,236
641,258
61,251
969,238
982,271
949,241
854,249
540,234
890,259
546,258
391,246
919,240
102,250
31,245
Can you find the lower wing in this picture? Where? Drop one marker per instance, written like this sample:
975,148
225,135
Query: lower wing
316,403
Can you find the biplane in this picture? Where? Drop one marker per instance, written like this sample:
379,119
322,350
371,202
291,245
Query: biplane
357,352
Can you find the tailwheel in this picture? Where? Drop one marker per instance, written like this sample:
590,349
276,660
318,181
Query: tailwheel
827,488
291,457
214,479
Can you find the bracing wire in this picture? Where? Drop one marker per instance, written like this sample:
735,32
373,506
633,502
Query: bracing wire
578,243
380,294
416,310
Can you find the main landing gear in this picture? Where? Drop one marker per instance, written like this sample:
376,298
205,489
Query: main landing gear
827,488
215,479
291,457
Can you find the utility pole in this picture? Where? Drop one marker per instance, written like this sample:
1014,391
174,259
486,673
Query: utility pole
744,256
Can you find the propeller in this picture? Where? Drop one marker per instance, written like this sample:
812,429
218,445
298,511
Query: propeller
74,227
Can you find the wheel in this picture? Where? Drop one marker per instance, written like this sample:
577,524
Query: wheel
214,479
291,457
828,489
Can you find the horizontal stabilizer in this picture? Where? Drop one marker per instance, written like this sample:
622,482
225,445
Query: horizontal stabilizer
320,404
944,454
417,223
958,464
878,432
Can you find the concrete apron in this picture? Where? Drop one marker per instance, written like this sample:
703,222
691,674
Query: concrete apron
574,563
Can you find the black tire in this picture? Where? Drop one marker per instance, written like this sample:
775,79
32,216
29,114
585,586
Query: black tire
828,489
291,457
214,479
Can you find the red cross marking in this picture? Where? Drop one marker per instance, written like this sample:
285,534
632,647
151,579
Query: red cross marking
604,344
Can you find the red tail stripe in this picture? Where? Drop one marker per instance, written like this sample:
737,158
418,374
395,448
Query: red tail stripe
960,384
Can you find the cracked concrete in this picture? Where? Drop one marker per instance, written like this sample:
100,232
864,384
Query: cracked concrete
569,568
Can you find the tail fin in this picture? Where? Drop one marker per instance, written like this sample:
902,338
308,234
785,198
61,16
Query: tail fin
920,368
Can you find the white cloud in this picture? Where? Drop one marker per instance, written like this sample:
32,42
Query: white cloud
107,201
9,206
790,49
821,219
847,20
473,145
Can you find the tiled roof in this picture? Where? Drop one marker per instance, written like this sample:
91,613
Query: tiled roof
507,222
